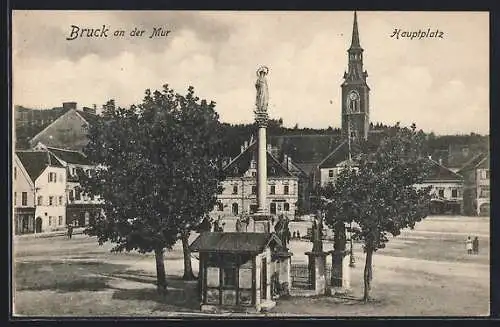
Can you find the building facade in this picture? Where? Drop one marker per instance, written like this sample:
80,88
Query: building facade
476,174
81,208
48,177
239,195
446,189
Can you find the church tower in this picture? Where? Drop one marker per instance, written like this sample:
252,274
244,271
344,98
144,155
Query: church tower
355,92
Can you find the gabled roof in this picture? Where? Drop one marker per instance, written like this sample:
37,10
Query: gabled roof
475,162
239,165
339,154
89,117
70,156
233,242
439,172
35,162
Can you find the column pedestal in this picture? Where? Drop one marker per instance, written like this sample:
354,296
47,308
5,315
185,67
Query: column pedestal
261,223
341,273
284,259
317,271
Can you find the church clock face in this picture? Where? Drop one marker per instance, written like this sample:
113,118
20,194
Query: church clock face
352,102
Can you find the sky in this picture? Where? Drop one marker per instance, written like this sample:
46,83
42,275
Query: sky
441,84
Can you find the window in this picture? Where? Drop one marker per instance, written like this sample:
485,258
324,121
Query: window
60,200
220,207
50,220
273,189
73,171
254,173
229,277
254,189
486,174
51,200
286,189
78,195
15,198
454,193
330,173
286,206
39,200
15,172
253,164
60,220
441,193
235,189
52,177
71,195
24,198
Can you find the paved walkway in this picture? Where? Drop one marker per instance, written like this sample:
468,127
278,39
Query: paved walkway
76,231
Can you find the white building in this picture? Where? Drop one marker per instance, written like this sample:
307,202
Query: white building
239,195
41,180
81,207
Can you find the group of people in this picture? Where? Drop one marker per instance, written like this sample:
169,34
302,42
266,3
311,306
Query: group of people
472,245
296,234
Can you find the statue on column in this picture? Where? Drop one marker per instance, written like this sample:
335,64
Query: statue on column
262,98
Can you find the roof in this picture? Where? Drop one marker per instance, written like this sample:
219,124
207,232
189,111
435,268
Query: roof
439,172
70,156
339,155
35,162
239,165
475,162
306,148
90,118
233,242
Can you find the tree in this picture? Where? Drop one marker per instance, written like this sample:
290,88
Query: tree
160,172
381,192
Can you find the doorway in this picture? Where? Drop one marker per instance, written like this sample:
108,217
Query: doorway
38,225
273,208
263,279
235,209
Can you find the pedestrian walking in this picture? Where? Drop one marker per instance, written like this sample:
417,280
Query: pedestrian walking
70,231
475,245
468,245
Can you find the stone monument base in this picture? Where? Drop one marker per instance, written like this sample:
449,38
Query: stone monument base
261,223
341,273
317,271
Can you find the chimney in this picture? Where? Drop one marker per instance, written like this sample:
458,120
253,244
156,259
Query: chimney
69,105
441,161
245,144
269,148
430,157
242,148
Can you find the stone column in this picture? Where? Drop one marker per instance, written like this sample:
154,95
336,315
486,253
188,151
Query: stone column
340,279
317,271
262,168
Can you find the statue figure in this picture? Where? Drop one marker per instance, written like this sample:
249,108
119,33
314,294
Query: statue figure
282,231
317,236
262,90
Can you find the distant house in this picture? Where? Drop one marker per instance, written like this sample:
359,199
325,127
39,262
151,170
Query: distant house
446,191
240,186
69,131
39,192
331,166
476,175
81,208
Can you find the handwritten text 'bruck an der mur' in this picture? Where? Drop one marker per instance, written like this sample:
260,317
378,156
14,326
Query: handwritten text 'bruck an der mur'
78,32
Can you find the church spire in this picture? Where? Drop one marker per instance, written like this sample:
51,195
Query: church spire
355,34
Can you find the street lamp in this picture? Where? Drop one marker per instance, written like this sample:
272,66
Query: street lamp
351,254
